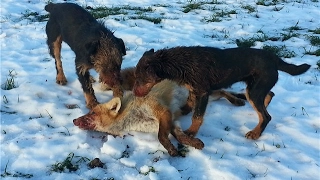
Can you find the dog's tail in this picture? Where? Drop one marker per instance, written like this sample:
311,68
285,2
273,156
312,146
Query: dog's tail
49,7
291,68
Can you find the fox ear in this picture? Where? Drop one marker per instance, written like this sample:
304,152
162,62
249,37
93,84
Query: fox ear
114,105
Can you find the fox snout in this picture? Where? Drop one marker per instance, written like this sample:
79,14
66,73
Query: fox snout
84,123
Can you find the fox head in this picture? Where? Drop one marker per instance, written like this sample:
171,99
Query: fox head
101,118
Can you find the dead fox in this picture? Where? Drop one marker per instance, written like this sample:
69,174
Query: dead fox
152,113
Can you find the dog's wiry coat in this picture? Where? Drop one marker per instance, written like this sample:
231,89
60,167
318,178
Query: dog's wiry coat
93,44
206,69
128,79
152,113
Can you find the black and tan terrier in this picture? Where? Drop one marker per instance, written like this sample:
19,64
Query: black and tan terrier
94,45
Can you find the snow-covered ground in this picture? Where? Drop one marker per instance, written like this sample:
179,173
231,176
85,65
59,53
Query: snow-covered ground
37,132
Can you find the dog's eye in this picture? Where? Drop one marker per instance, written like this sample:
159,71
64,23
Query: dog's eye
92,113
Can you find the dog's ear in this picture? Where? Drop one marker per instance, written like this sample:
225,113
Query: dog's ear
114,105
148,53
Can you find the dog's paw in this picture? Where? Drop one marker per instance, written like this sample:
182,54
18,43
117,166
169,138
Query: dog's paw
61,79
253,135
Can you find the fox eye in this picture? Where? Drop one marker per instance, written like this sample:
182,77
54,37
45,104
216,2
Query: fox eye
92,113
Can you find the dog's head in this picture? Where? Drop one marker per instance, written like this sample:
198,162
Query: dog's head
107,59
101,117
146,74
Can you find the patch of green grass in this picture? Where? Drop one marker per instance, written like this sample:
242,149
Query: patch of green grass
314,40
249,42
34,16
218,14
315,53
14,174
315,31
102,11
281,51
192,6
69,164
225,13
250,8
245,42
10,83
268,2
286,36
155,20
212,18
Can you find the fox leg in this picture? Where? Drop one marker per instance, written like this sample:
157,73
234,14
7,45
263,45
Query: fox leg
184,139
165,124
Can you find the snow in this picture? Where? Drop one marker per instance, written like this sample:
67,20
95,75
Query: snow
36,125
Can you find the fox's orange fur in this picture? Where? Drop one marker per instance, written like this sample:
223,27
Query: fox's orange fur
152,113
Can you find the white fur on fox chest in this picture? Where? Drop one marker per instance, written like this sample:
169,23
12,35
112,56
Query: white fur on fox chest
141,119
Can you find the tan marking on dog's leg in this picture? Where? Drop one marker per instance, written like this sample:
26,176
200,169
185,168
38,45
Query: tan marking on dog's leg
268,98
201,102
91,100
61,78
256,132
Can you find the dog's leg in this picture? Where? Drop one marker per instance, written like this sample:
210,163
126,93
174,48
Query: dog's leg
61,78
84,78
187,140
199,110
217,94
268,98
257,92
165,124
54,41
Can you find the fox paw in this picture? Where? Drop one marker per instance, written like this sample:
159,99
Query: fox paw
190,133
173,152
198,144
